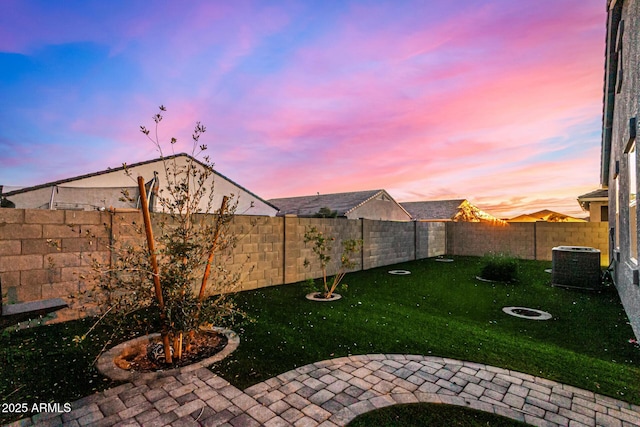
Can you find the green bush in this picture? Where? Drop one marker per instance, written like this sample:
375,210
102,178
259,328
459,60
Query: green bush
499,267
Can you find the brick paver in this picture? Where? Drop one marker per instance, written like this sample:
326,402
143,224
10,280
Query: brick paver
333,392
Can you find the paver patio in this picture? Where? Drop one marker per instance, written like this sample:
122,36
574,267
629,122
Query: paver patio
333,392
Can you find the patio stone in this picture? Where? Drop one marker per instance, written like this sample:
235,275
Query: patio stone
474,389
132,411
219,403
292,415
276,422
218,418
261,413
244,402
279,407
244,420
147,415
316,412
165,405
296,401
331,393
513,401
518,390
332,406
188,408
320,397
337,386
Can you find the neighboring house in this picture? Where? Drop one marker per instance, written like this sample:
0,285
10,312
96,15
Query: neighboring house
103,190
448,210
619,155
597,204
373,204
546,216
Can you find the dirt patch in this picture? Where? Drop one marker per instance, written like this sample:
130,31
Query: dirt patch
203,346
526,312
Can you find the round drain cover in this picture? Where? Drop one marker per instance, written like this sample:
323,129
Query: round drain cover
399,272
527,313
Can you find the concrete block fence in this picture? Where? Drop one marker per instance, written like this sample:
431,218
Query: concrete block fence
530,240
47,253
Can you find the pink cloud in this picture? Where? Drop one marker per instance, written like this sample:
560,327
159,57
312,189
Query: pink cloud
424,103
498,115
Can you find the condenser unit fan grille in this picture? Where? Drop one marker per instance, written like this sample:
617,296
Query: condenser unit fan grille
576,267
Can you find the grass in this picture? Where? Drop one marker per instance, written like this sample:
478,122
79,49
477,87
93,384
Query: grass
431,414
440,309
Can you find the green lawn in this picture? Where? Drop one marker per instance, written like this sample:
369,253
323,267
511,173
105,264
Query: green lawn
431,414
440,309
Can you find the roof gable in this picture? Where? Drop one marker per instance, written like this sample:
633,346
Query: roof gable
545,215
602,193
342,203
443,210
449,210
131,166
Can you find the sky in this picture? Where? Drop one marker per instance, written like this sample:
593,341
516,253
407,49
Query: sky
494,101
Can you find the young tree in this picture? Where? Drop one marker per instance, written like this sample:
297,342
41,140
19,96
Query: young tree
322,247
178,272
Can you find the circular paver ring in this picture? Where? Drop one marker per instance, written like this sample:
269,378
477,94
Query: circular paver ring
527,313
108,368
399,272
317,296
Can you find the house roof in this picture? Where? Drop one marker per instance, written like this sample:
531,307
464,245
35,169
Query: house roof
342,203
524,218
129,166
545,215
449,210
434,210
601,194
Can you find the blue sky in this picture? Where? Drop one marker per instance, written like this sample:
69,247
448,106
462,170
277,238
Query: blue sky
496,101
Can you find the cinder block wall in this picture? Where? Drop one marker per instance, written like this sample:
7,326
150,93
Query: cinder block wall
47,253
477,239
592,234
525,240
259,253
388,242
296,251
435,235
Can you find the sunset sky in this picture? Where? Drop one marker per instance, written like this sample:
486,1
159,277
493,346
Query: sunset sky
495,101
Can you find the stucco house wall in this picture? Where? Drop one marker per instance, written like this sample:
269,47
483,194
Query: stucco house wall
380,209
596,204
104,189
73,198
596,212
621,105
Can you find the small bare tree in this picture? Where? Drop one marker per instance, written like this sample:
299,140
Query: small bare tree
322,247
181,260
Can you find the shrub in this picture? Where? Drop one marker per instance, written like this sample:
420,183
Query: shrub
181,259
499,267
322,247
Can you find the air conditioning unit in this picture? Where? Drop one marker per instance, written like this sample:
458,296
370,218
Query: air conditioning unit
576,267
